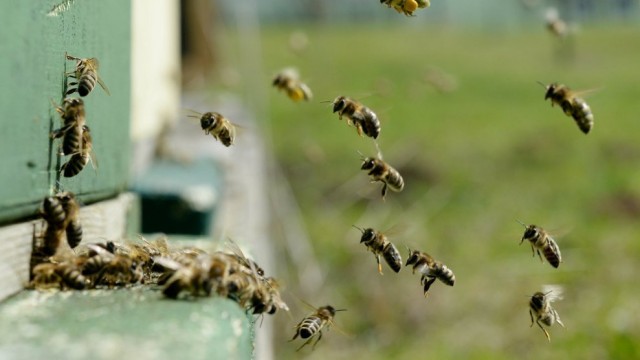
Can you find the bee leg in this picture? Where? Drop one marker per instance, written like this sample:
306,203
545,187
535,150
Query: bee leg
384,190
533,251
296,334
540,256
427,285
531,315
303,345
379,264
544,330
359,128
318,339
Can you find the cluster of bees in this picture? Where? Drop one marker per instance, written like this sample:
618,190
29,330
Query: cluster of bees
75,134
180,272
192,272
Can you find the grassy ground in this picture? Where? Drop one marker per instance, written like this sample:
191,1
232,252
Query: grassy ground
474,160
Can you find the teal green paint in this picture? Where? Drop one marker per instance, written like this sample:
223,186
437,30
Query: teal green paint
32,64
135,323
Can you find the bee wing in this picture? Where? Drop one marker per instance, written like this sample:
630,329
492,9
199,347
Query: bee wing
553,292
585,93
103,86
551,14
290,72
167,263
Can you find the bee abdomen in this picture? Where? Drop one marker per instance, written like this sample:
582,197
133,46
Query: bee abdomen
52,211
71,141
75,165
392,257
371,124
73,279
552,253
310,326
444,274
74,233
87,83
395,180
226,138
582,115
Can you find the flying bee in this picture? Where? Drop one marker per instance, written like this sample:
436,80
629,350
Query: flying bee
384,173
313,324
288,81
357,115
555,24
86,75
541,241
79,160
73,116
430,269
571,104
377,243
540,306
221,128
406,7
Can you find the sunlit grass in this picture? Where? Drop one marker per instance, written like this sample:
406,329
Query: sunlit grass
474,161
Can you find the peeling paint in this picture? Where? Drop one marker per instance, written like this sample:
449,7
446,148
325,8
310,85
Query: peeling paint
56,10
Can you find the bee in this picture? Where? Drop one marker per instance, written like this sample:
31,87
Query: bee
193,279
86,75
540,306
541,241
358,115
288,81
383,172
313,324
111,269
406,7
62,275
555,24
71,209
79,160
54,215
221,128
430,269
571,104
60,212
378,244
73,115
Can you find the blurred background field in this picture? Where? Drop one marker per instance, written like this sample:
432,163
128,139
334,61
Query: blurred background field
475,159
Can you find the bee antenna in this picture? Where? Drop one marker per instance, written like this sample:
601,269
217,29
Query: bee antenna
542,84
362,157
358,228
340,310
521,223
326,101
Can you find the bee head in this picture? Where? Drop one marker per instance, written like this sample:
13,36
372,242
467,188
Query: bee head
368,163
208,120
413,257
531,232
367,235
538,299
339,103
278,80
551,88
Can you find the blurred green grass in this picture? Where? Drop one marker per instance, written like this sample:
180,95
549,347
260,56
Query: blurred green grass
474,160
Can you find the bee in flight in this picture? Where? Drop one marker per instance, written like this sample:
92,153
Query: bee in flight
288,81
406,7
80,159
378,244
313,324
383,172
86,75
73,117
430,269
541,241
540,308
571,104
218,126
555,24
357,115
